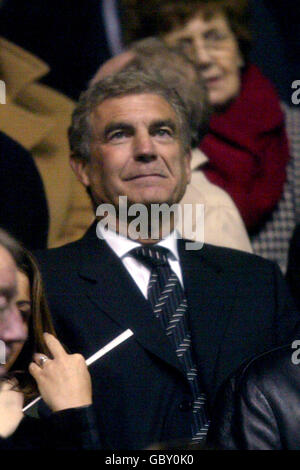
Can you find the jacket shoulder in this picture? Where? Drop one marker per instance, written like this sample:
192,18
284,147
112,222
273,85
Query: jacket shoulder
233,259
275,366
53,259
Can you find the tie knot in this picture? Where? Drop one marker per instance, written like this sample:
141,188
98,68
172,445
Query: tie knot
153,254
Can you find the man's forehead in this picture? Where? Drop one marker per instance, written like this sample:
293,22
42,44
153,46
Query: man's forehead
134,106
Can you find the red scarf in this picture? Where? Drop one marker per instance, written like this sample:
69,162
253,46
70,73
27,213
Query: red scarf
248,149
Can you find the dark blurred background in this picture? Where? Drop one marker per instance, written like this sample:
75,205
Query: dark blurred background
74,37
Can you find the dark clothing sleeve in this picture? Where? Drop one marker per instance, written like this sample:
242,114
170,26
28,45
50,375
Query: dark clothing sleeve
24,210
243,420
258,408
74,428
71,429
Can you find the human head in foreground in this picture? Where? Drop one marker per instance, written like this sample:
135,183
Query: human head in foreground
130,136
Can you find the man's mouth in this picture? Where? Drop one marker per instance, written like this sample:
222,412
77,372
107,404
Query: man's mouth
141,176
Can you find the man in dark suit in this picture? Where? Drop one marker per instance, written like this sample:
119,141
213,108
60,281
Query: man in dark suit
196,315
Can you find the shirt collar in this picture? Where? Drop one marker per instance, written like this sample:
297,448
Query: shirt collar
122,245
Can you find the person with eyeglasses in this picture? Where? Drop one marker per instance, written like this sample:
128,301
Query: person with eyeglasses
252,139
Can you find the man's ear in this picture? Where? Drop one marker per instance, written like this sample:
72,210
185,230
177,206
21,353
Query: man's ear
80,168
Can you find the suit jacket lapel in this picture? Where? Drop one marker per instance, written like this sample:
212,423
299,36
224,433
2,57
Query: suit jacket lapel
210,296
111,288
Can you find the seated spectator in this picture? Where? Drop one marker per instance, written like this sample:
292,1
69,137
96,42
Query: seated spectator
293,271
259,407
37,117
223,225
62,379
24,211
247,143
131,136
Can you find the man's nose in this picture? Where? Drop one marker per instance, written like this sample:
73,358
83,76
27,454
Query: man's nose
144,147
12,326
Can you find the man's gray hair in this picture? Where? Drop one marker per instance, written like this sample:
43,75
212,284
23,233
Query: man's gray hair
11,245
124,83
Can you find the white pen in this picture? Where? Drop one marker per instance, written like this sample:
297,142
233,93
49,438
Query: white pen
111,345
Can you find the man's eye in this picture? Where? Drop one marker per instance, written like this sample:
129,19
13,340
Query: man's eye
163,132
117,135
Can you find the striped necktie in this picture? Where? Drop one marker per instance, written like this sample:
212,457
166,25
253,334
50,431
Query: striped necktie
169,305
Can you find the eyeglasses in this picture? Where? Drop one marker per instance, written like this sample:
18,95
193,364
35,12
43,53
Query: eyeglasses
211,41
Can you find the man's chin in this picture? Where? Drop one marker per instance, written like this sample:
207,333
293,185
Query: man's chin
154,197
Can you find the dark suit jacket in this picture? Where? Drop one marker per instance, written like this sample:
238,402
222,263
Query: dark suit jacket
238,307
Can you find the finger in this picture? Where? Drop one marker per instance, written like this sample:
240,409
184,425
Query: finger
54,346
35,370
40,359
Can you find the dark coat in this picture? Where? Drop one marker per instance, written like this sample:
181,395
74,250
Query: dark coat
23,205
238,307
259,408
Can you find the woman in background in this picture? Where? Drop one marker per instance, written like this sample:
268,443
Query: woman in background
247,143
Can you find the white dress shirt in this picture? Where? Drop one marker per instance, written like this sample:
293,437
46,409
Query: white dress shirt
138,271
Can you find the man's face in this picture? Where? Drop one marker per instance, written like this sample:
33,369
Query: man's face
13,331
136,152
